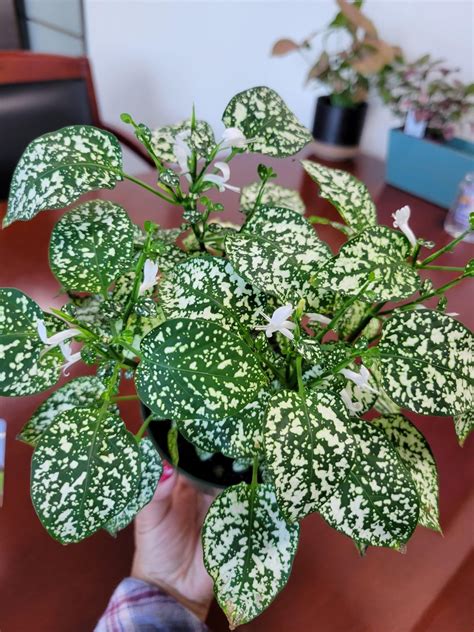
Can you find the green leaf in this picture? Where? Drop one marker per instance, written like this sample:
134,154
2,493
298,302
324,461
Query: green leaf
464,425
379,251
192,367
273,195
151,468
347,194
248,550
352,317
415,452
83,392
237,436
309,449
377,504
55,169
84,471
91,246
207,287
200,140
383,404
265,120
21,370
427,362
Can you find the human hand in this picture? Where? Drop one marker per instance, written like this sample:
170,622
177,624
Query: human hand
168,551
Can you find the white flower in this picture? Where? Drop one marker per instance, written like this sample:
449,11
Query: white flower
401,218
182,152
233,137
71,358
279,322
360,379
55,339
221,180
318,318
150,270
353,407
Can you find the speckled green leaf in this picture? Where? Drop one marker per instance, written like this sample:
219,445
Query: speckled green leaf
83,392
378,250
193,367
91,246
201,140
263,117
464,425
427,362
238,436
350,196
377,504
55,169
151,468
415,452
209,288
352,317
273,195
21,370
309,449
248,550
85,469
383,404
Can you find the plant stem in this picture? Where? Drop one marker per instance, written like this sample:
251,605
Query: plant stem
444,249
341,311
317,219
130,348
146,186
299,376
255,471
124,398
257,201
448,268
143,428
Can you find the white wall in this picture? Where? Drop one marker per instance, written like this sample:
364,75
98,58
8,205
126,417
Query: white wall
153,58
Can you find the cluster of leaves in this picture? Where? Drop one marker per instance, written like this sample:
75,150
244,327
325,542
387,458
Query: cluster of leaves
193,344
346,73
432,91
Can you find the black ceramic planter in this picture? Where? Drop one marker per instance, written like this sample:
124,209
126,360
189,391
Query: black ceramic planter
337,130
215,472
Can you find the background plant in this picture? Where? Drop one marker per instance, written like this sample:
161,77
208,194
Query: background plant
430,89
255,340
345,72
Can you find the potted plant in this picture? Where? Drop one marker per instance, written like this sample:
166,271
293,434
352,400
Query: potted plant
345,74
424,156
255,342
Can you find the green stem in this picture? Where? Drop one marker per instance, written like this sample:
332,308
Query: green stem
335,370
109,391
341,311
124,398
257,202
255,472
143,428
317,219
146,186
444,249
416,252
448,268
130,348
299,375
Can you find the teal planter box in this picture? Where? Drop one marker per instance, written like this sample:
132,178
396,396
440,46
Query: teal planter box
430,170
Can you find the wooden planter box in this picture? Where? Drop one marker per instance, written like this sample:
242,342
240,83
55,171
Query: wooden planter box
428,169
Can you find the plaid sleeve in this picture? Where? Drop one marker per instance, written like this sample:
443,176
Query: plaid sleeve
136,606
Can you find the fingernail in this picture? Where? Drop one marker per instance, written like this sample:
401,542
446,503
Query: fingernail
168,472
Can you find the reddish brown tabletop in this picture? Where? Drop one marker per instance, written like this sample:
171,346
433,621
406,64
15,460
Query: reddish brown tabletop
47,587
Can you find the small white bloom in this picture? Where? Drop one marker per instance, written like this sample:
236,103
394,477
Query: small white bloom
360,379
279,322
353,407
221,180
233,137
71,358
318,318
150,270
401,218
55,339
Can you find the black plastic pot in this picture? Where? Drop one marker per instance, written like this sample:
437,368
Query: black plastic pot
337,130
215,472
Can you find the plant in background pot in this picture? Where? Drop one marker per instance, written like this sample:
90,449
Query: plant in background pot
346,74
256,342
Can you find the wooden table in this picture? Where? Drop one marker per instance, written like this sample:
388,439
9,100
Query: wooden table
50,588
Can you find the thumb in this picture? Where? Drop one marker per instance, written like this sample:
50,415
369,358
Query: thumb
153,513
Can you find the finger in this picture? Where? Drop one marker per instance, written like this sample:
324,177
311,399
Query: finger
153,513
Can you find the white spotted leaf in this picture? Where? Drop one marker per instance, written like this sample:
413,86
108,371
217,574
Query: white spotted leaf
377,504
85,469
248,550
24,369
309,449
194,367
273,195
347,194
238,436
427,362
266,121
464,424
415,452
82,392
379,251
91,246
151,468
201,139
55,169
